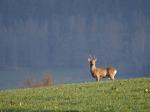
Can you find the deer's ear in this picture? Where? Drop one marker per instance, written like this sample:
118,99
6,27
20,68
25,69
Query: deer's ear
95,59
89,59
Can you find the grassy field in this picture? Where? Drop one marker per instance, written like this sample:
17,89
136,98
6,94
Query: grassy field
106,96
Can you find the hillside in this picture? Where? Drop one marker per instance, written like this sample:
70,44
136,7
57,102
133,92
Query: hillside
106,96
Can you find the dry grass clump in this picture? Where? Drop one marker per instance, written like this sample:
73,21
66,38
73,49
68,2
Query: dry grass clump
47,80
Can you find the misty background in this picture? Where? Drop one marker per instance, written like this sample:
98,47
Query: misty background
59,35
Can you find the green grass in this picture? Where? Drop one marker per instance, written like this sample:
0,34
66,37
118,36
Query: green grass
106,96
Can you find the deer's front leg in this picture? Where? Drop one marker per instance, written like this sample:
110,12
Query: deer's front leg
97,79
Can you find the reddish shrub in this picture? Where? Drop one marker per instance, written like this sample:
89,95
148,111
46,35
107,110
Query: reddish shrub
47,80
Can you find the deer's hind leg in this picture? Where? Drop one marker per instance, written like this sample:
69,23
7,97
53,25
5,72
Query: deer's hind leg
112,77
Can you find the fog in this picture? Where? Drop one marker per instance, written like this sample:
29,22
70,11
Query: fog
63,33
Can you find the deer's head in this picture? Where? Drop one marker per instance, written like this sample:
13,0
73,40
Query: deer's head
92,60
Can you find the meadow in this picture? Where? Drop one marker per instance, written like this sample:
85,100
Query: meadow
132,95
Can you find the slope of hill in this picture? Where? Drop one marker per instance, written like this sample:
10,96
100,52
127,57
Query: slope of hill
131,95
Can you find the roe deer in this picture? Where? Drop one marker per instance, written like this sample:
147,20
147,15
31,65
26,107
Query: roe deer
99,73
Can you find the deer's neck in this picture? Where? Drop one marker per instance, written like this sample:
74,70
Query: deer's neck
93,67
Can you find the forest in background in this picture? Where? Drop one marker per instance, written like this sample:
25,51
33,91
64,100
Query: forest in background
54,33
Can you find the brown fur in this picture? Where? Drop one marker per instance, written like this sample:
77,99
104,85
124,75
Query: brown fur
99,73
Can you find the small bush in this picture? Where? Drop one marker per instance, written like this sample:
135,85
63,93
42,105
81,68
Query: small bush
47,80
